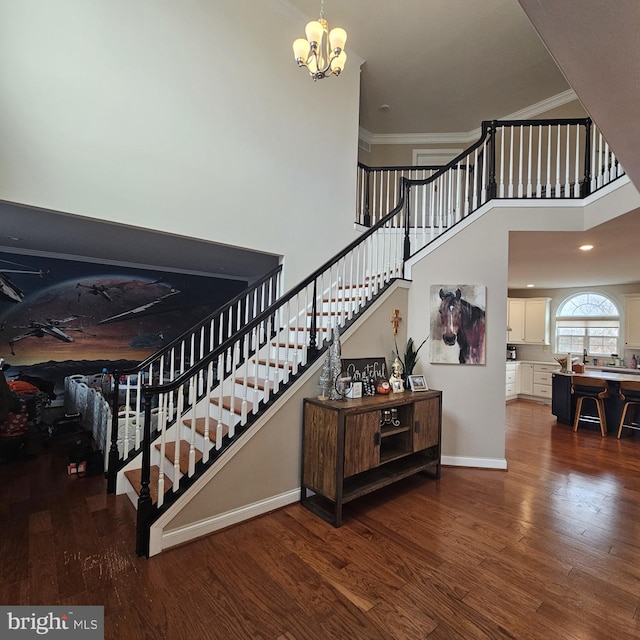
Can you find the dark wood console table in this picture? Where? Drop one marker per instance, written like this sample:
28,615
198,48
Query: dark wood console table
353,447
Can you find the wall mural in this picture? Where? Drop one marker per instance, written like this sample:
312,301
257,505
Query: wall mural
458,324
59,317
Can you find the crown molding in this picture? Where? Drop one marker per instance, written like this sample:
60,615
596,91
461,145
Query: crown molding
466,137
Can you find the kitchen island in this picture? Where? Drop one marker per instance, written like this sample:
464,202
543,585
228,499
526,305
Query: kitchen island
563,404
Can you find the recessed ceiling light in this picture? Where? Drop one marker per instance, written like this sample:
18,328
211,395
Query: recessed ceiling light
384,108
529,286
586,247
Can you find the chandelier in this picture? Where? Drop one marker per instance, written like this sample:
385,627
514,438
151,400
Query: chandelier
322,53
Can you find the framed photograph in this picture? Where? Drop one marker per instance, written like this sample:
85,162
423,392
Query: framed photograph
418,383
355,391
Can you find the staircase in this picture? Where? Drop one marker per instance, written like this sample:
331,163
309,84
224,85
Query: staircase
250,382
194,400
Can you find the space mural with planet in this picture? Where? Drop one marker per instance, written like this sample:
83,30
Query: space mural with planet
76,317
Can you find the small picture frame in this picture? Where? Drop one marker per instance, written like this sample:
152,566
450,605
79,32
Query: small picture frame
418,383
355,391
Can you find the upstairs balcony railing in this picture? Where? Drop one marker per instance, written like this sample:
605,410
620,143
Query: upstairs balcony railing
541,159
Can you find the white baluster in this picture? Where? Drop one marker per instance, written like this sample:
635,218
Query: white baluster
176,451
162,426
567,183
510,189
207,416
539,174
192,437
219,425
520,185
244,405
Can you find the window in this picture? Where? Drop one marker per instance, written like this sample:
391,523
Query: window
587,321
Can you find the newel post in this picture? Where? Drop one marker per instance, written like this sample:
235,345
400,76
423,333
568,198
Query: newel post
367,213
145,504
313,330
114,458
492,188
407,225
586,184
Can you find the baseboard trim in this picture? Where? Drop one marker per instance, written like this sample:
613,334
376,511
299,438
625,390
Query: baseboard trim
224,520
478,463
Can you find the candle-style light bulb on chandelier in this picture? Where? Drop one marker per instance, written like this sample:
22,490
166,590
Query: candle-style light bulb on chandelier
322,53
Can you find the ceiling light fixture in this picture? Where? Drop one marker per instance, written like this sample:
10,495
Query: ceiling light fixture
586,247
322,53
530,286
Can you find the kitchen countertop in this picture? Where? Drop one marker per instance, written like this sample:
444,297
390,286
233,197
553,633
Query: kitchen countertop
613,376
588,368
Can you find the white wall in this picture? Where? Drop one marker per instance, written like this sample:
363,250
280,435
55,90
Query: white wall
189,117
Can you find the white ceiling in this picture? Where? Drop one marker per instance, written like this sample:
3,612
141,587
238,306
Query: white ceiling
443,66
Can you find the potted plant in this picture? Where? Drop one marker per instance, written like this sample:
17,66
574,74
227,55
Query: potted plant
409,357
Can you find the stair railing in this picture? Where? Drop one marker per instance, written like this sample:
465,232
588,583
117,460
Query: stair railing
125,433
249,370
379,189
541,159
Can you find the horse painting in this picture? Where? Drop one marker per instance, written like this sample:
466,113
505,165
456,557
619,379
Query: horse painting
462,323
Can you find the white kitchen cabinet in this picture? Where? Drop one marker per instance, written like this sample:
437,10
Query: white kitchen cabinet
512,380
525,379
515,320
542,379
632,322
528,320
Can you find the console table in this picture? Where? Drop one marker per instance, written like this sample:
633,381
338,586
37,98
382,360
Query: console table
353,447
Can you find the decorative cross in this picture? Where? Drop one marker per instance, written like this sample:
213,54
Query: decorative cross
395,320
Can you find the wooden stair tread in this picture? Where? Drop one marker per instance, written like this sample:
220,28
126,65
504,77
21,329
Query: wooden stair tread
134,477
200,424
259,383
288,344
170,452
280,365
226,404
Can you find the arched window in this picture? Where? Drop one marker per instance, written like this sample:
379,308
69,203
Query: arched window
588,321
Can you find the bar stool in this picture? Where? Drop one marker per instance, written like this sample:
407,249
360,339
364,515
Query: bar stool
630,394
597,390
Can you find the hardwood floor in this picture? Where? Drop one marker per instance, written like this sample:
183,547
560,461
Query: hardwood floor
548,549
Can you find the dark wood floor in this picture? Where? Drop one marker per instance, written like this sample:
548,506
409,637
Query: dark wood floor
548,549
